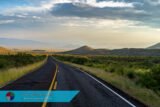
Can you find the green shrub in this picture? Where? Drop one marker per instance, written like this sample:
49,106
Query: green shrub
3,63
126,66
119,70
89,64
110,68
151,79
131,74
80,60
18,60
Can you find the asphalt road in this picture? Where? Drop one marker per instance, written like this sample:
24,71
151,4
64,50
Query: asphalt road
93,92
40,79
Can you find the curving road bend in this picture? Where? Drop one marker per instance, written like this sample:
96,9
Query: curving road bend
93,92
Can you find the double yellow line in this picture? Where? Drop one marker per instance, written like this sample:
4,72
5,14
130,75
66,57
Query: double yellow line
52,86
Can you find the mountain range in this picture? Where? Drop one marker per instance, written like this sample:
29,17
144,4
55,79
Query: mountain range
86,50
153,50
156,46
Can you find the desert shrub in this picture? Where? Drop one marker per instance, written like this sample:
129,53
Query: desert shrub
130,74
89,64
110,68
18,60
151,79
126,66
119,70
3,63
80,60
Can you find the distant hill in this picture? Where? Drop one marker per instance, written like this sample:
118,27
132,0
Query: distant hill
156,46
38,50
81,50
4,50
86,50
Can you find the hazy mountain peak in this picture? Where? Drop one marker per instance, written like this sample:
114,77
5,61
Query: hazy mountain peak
85,47
156,46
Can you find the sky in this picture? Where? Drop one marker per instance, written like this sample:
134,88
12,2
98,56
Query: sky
68,24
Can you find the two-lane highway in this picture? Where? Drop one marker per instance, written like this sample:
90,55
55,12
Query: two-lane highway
93,93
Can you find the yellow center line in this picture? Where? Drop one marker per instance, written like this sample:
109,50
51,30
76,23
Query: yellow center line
51,87
55,85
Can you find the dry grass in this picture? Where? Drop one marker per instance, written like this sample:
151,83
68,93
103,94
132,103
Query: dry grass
12,74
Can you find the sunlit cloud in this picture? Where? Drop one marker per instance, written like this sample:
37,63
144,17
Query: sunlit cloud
44,6
6,21
104,4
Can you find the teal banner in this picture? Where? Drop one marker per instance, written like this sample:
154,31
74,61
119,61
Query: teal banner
37,96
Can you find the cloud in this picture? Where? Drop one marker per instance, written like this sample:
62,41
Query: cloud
49,4
36,17
100,23
104,4
141,11
138,10
21,16
154,2
6,21
69,9
94,3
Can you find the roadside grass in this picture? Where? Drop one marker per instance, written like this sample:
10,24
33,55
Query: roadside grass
147,96
143,71
11,74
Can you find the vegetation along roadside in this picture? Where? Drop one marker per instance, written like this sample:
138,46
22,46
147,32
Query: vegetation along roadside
137,76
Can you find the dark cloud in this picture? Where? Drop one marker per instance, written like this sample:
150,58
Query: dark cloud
143,11
70,9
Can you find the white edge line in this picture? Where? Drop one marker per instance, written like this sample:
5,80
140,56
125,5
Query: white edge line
109,89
